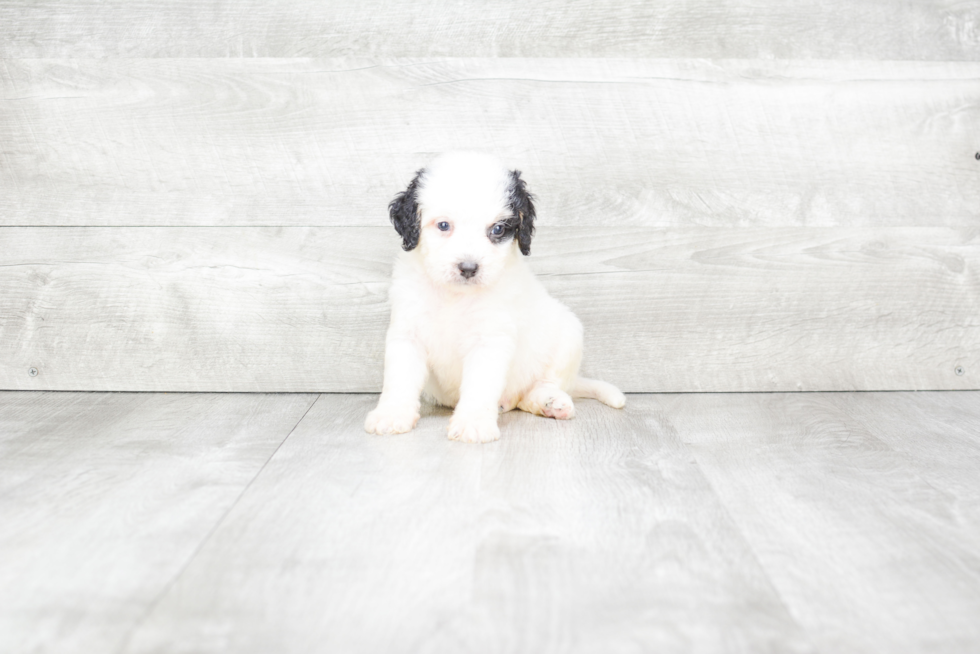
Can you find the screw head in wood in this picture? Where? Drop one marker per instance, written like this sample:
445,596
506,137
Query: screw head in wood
959,370
32,371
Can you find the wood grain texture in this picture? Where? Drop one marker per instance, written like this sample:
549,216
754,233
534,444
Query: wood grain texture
595,535
843,522
600,141
305,309
859,507
937,433
871,29
104,498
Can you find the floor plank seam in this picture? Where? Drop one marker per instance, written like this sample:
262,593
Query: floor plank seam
664,423
190,559
748,545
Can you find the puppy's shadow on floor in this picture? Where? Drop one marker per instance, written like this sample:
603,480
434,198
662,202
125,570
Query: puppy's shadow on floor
434,421
434,414
429,410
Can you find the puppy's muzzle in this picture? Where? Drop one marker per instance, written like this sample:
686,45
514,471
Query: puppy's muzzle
468,268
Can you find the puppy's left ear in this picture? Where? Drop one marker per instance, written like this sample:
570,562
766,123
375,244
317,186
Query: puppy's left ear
522,206
404,213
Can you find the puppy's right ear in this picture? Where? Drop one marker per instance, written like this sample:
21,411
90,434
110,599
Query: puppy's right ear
404,213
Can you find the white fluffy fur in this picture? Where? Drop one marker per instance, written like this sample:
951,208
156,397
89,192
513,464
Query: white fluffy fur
482,345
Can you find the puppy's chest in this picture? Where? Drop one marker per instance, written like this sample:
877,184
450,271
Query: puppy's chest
452,330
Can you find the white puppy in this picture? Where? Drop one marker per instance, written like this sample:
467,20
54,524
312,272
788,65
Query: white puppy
471,326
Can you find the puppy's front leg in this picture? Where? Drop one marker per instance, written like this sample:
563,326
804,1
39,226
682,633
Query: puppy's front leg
484,378
405,373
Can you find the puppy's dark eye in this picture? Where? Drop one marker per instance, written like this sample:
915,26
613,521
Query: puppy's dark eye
497,230
443,226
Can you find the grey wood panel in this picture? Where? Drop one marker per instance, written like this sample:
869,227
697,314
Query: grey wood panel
611,142
104,498
305,309
837,498
599,534
195,309
871,29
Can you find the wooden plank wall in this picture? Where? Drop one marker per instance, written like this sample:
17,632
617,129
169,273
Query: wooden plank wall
733,196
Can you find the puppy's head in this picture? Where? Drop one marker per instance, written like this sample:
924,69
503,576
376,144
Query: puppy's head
465,215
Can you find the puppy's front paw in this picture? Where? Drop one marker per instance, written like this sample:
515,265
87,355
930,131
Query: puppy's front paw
473,429
386,420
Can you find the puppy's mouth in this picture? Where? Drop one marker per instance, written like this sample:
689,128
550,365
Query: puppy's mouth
475,280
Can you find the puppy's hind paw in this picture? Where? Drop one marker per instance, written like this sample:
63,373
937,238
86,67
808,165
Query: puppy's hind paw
559,408
385,421
468,430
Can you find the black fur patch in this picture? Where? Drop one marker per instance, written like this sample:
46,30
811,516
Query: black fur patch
404,213
510,225
522,209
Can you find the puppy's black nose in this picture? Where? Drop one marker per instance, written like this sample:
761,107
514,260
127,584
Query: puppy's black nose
468,268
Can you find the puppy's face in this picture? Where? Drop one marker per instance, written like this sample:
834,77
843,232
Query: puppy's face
466,249
467,216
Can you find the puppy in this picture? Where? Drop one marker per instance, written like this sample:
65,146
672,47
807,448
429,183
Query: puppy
471,326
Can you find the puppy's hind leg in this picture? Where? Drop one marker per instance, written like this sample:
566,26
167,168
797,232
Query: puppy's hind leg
507,403
598,390
548,400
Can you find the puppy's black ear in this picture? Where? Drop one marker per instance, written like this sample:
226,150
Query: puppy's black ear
404,213
522,206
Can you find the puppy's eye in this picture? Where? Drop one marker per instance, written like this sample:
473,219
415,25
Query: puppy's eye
497,230
443,226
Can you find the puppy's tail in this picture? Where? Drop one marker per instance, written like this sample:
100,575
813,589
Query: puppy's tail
598,390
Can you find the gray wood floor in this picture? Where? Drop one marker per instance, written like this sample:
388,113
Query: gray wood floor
837,522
